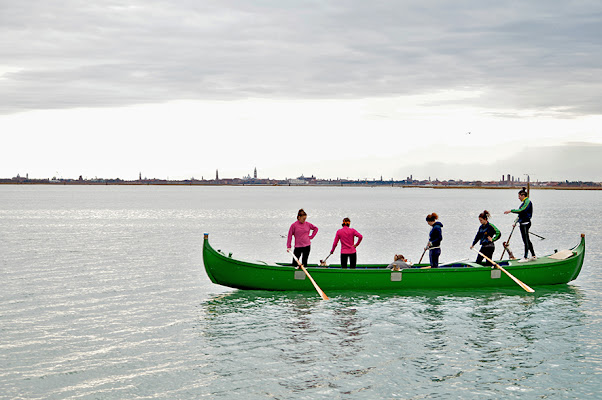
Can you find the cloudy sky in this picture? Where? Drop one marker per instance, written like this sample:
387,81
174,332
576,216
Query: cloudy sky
331,88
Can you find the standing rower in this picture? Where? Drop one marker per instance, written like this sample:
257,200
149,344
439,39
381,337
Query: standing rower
525,212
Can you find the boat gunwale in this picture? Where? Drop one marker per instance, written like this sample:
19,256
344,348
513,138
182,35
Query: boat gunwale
541,262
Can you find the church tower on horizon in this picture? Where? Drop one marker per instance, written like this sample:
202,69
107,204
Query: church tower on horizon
216,175
255,173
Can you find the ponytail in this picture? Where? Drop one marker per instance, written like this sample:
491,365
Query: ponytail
432,217
485,215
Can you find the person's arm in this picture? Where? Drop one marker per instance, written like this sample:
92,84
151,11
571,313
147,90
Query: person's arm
289,240
435,235
523,206
476,238
336,241
360,237
314,230
496,233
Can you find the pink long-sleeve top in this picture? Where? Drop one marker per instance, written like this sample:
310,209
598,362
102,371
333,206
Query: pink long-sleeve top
301,232
347,235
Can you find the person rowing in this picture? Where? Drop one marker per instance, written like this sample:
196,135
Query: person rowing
525,212
435,238
300,229
486,235
347,236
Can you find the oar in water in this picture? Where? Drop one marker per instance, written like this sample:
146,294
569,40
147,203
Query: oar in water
320,292
521,284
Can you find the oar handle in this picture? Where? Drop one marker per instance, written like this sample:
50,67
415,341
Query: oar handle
320,291
515,279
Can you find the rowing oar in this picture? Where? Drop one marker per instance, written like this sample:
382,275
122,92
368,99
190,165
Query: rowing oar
323,262
521,284
429,248
320,292
535,234
425,249
506,244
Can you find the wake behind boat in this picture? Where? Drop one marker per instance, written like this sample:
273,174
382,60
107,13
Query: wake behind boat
558,268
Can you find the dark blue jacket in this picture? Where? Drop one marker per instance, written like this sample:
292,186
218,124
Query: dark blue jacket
525,211
436,235
486,231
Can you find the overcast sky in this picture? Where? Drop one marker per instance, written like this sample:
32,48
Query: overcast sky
358,89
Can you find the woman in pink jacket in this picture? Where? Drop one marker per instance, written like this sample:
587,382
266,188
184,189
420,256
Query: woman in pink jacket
301,229
347,236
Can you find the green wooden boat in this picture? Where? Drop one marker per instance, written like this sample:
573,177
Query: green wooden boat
558,268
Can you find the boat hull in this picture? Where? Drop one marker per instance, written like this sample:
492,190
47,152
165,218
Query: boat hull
227,271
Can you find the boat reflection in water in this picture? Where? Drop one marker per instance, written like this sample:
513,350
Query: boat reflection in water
262,343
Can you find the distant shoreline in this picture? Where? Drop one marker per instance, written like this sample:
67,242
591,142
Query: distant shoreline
347,185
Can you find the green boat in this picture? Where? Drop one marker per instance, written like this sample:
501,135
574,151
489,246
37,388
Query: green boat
558,268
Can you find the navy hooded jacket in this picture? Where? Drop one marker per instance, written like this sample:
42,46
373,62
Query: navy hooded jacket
436,234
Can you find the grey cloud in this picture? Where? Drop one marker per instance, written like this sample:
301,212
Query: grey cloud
543,55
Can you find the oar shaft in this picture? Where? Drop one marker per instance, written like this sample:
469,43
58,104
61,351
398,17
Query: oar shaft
535,234
320,291
515,279
509,237
425,249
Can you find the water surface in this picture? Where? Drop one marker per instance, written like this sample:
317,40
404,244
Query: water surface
105,297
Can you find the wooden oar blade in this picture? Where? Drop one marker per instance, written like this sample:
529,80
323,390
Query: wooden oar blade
515,279
320,291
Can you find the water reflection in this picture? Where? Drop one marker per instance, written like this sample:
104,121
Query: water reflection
389,342
305,335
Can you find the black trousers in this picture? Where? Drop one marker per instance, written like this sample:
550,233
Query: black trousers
352,260
299,252
488,251
434,257
524,232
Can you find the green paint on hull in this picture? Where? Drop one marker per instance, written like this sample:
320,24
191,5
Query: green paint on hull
227,271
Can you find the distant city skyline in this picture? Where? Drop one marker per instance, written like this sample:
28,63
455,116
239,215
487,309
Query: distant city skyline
468,90
504,179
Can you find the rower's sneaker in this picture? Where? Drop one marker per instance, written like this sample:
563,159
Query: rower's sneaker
522,260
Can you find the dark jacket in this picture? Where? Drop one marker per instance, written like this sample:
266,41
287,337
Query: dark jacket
486,231
436,234
525,211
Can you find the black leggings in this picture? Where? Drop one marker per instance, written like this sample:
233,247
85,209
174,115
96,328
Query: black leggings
352,260
524,231
298,252
488,251
434,257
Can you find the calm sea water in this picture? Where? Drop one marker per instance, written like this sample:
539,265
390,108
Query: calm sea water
104,296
